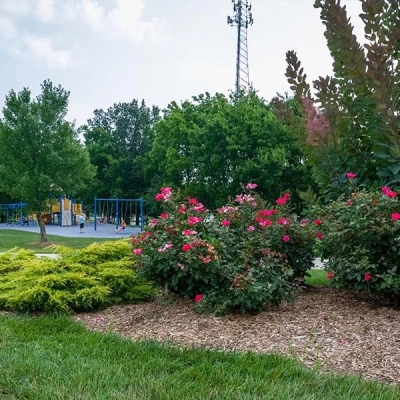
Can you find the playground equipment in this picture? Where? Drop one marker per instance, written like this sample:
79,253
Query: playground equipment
17,216
115,210
63,212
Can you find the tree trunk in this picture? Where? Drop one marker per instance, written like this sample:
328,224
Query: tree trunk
42,226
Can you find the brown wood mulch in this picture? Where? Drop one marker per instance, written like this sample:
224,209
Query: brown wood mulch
337,331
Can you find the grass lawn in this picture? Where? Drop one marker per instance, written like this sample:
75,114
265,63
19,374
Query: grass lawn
46,358
28,240
317,277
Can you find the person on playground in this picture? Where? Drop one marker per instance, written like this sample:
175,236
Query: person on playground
81,222
121,227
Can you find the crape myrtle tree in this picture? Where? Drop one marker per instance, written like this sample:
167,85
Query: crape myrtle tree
116,139
40,154
352,122
210,146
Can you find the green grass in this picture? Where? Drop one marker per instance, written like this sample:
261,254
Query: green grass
46,358
317,278
10,238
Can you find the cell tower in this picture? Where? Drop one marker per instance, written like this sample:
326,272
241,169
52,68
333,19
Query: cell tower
242,19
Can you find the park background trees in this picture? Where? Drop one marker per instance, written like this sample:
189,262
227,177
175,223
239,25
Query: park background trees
40,154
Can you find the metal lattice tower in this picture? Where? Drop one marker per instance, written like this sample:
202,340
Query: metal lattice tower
242,19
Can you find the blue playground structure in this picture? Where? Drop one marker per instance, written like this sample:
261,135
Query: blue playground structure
115,210
17,214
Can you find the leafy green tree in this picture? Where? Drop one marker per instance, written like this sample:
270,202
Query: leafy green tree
210,146
40,154
116,140
356,126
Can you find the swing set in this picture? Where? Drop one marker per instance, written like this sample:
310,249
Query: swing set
113,211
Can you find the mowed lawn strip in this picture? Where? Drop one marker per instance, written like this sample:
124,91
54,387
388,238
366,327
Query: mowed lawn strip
30,241
56,358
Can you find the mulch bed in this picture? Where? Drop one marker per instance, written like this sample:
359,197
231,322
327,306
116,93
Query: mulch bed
337,331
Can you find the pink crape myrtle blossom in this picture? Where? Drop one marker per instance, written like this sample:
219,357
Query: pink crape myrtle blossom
251,186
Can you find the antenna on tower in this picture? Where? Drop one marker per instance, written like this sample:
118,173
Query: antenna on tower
243,18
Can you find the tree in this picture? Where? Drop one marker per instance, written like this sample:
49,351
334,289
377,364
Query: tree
116,140
40,154
212,145
356,126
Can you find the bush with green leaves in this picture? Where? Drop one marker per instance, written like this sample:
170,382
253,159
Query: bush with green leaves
362,241
79,280
239,258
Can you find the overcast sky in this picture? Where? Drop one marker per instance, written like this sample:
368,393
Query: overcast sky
107,51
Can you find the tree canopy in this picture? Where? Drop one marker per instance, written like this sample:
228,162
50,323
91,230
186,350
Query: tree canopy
40,154
212,145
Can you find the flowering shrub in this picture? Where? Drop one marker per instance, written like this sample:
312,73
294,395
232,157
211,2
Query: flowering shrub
362,243
237,259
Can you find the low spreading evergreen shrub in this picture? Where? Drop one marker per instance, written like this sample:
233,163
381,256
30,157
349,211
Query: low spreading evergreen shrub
91,278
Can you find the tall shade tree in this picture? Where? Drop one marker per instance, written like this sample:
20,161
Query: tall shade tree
211,146
40,154
116,139
353,121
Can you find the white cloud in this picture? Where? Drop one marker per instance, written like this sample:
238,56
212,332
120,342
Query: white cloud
45,10
126,19
7,28
93,13
42,49
16,7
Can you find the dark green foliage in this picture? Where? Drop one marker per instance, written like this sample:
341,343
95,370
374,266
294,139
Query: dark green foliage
210,146
362,243
359,105
85,279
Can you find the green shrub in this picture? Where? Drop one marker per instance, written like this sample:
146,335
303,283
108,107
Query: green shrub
86,279
362,242
238,259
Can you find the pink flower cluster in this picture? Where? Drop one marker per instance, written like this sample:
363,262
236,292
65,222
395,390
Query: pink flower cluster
165,247
189,232
164,195
227,209
351,175
194,220
251,186
389,193
244,198
282,200
396,216
318,126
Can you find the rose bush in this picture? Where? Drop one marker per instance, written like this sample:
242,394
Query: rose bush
362,241
238,258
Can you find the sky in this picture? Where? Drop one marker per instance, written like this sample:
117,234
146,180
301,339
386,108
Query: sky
110,51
